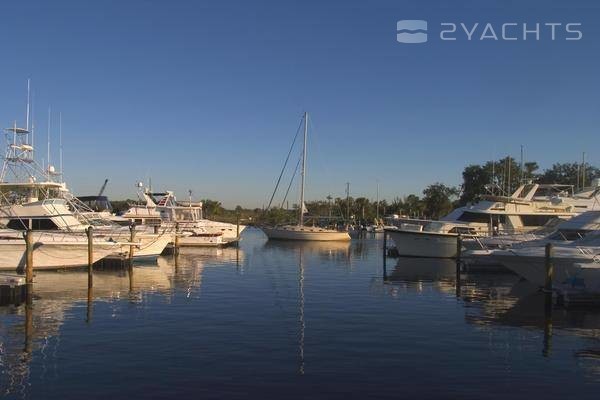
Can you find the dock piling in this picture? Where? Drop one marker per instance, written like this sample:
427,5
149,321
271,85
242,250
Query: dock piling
176,241
131,240
459,241
90,238
384,256
29,264
549,254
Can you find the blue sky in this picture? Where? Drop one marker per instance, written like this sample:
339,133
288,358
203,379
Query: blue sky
207,95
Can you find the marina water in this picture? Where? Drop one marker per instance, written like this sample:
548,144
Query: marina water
294,320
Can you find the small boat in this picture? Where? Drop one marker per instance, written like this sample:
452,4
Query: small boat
438,240
300,231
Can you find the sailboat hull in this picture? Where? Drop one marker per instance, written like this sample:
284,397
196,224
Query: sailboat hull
305,233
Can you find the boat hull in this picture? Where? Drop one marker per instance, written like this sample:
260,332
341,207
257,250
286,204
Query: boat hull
305,234
424,244
50,255
533,268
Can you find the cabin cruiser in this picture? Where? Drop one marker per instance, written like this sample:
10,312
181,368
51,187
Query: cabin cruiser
529,208
163,209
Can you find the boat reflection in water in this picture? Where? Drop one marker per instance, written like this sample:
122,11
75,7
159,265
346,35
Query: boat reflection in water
328,250
501,299
36,327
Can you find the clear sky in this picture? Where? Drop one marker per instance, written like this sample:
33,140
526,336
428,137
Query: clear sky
208,95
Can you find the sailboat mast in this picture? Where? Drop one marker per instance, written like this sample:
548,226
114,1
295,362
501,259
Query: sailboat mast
377,212
60,146
301,206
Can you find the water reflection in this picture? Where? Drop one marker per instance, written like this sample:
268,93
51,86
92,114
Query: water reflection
290,313
56,293
499,299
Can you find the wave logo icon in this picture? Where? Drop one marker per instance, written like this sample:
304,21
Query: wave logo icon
411,31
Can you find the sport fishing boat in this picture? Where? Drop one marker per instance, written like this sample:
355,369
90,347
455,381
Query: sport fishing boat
32,198
529,208
300,231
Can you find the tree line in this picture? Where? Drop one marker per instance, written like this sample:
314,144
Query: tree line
499,177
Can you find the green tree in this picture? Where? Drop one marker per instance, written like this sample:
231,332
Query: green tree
211,208
438,199
568,174
412,206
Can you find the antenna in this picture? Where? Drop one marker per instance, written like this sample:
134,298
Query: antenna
27,114
522,166
32,128
583,171
48,138
60,148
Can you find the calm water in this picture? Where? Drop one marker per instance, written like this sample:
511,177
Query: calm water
285,320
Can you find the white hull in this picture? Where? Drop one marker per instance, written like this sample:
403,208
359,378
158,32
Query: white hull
51,255
533,269
424,244
151,246
201,241
305,233
227,231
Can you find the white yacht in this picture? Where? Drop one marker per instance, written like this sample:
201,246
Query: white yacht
163,209
529,208
300,231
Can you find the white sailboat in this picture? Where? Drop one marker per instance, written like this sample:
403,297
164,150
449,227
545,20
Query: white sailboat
300,231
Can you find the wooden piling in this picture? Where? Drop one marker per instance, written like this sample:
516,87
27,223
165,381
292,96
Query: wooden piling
176,241
458,264
28,328
549,254
384,255
131,240
238,227
29,264
90,239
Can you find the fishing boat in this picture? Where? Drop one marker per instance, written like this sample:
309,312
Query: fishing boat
300,231
37,199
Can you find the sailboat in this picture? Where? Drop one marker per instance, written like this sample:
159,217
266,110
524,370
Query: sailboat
300,231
